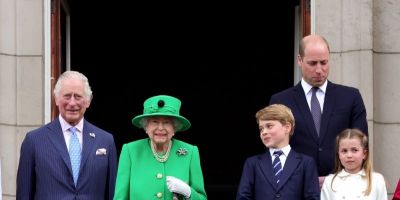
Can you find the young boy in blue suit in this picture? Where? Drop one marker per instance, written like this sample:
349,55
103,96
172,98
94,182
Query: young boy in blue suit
286,176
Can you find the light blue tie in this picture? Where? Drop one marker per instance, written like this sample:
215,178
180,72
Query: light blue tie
74,154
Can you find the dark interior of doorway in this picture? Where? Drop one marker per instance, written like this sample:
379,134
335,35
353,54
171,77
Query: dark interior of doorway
223,61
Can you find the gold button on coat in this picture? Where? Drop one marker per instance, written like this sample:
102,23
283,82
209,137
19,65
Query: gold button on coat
159,176
159,195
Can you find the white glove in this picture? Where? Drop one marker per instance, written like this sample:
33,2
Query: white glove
176,185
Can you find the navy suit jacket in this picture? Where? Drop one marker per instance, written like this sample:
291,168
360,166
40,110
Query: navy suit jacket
44,171
343,108
299,179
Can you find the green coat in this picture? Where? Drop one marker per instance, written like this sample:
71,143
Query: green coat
141,177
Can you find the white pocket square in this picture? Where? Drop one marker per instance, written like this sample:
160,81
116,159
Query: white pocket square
101,152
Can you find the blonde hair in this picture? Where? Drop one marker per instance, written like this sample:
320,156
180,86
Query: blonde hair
278,112
366,165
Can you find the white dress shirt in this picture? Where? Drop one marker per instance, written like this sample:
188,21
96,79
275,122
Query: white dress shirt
67,133
283,156
320,93
348,186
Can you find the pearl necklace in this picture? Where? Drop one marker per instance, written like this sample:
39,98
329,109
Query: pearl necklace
164,157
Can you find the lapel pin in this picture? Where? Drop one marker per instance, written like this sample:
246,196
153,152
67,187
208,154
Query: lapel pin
92,135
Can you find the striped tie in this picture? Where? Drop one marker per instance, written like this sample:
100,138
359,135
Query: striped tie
74,154
277,165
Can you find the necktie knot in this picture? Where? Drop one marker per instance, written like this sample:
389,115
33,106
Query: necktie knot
314,90
278,153
73,130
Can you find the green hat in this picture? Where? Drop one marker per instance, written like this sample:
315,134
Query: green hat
162,105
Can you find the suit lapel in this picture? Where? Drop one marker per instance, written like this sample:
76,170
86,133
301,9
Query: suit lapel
329,104
302,104
267,169
292,161
57,138
89,139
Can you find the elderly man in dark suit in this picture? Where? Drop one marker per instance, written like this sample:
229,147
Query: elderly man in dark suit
69,158
322,109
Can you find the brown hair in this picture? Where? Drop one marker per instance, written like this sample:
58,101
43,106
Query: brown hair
366,165
278,112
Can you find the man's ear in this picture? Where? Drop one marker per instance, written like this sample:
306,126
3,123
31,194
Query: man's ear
55,100
89,101
299,60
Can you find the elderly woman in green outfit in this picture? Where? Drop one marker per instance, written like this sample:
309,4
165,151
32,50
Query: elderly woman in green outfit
160,167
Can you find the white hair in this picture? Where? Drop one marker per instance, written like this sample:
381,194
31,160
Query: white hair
72,75
177,124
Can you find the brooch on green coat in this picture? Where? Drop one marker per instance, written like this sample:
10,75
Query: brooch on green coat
181,152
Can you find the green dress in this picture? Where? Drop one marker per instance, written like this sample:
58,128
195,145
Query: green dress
141,177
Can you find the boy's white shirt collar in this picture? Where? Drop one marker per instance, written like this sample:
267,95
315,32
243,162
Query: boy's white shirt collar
285,150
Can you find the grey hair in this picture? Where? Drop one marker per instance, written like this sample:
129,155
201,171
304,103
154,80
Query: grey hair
72,75
177,124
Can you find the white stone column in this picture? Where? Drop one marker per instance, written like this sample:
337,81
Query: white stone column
21,82
347,25
365,45
386,57
1,191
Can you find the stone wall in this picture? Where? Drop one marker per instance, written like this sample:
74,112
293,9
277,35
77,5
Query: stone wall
21,81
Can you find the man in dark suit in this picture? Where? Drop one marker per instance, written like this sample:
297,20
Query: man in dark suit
47,170
341,107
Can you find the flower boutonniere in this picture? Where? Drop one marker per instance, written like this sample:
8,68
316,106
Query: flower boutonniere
181,152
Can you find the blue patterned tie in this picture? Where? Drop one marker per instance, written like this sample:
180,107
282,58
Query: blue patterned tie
74,154
316,109
277,165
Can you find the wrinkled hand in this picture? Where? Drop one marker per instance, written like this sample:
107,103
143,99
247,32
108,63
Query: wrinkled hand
178,186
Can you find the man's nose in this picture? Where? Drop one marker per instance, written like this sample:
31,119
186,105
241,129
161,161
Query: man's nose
318,68
72,100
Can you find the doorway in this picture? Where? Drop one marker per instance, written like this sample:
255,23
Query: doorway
217,59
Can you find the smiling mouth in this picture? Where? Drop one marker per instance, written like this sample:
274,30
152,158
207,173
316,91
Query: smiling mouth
160,135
